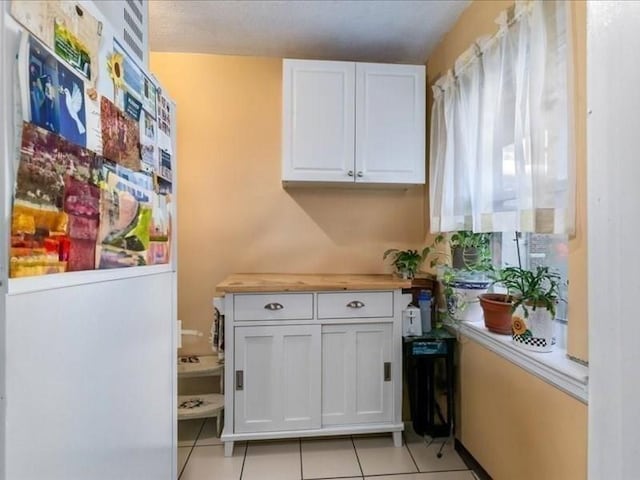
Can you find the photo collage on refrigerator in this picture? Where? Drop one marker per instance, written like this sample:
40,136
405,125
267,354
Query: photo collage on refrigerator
93,185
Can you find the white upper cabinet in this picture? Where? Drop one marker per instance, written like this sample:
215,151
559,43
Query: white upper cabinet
318,121
390,123
353,122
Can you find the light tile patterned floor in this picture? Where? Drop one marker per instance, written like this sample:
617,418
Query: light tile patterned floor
201,457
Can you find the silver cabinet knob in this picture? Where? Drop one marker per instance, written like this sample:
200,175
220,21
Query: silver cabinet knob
360,174
355,304
350,173
273,306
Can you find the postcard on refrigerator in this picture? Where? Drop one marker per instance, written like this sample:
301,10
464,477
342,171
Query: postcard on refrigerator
55,95
149,96
66,28
132,76
164,123
120,136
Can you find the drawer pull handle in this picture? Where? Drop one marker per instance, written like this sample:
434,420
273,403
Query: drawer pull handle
387,371
355,304
239,380
273,306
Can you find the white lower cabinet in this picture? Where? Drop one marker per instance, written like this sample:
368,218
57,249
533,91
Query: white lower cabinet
277,378
312,364
356,373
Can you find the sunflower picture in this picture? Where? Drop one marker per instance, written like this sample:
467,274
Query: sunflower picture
115,65
69,47
518,326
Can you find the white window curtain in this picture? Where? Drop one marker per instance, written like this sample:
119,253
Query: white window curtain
502,155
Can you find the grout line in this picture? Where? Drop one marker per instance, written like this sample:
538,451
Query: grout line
357,457
185,464
300,449
413,473
244,459
347,477
406,445
200,432
193,445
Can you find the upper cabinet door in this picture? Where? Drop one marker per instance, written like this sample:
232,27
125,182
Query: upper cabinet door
318,121
390,123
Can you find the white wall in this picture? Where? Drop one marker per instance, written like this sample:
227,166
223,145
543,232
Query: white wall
613,97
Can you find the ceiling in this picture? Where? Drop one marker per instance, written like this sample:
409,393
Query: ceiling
359,30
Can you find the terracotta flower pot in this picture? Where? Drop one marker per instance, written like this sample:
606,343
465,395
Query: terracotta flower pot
497,312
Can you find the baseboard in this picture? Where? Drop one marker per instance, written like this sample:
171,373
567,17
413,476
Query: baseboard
471,462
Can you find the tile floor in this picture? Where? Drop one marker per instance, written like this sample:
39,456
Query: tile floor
201,457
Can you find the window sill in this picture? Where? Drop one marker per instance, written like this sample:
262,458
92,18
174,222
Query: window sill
555,367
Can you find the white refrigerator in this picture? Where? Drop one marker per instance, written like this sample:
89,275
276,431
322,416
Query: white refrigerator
87,359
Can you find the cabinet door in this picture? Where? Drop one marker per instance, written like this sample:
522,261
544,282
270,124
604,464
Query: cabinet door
277,378
318,121
354,388
390,123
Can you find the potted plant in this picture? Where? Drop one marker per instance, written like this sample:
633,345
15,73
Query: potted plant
532,297
470,251
408,262
466,280
462,290
497,309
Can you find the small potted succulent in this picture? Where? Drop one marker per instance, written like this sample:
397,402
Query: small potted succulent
531,301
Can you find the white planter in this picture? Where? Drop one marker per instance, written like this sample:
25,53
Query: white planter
534,332
465,302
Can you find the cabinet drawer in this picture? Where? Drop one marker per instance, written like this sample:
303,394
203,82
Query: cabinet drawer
273,306
355,305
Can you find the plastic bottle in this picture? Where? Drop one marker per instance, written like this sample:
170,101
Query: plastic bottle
424,302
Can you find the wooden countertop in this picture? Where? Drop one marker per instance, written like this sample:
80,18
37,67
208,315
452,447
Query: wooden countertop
284,282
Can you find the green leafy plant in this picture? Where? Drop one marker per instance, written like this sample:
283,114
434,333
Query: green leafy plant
434,251
408,262
474,250
531,288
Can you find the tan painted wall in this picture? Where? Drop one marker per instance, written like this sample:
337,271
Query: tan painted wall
478,19
578,338
234,215
517,426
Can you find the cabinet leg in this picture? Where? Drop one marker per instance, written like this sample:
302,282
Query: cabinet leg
228,449
397,439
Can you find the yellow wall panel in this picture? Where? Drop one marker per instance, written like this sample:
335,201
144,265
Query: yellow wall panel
516,425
